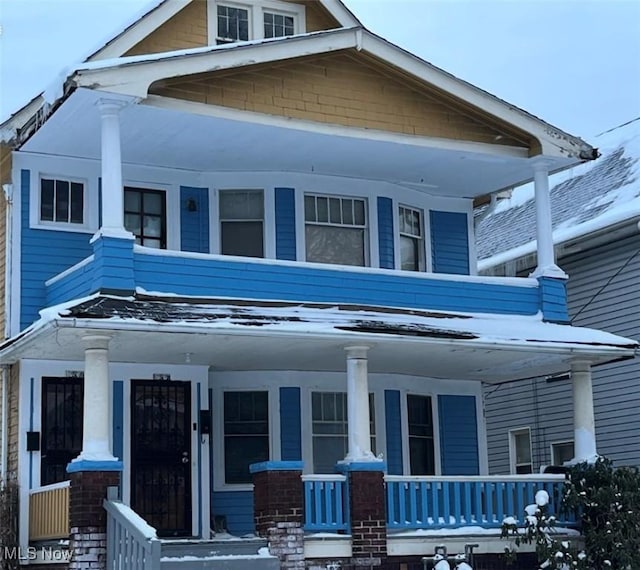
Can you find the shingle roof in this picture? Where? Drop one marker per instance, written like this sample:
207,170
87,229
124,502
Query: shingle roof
592,195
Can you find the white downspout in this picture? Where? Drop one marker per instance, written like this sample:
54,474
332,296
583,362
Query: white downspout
8,195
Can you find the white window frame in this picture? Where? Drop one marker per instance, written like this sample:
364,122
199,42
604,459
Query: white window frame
219,221
513,433
422,257
219,482
556,443
366,227
36,195
256,10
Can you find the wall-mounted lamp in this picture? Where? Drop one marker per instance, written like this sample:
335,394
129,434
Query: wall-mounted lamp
192,205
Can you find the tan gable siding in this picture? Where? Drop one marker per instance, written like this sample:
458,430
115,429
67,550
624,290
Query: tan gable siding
187,29
13,424
316,16
5,178
347,89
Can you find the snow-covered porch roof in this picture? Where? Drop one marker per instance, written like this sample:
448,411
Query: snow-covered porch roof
241,334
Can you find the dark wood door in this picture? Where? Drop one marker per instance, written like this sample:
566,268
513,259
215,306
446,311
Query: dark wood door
161,454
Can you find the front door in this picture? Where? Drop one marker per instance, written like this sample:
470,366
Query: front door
161,454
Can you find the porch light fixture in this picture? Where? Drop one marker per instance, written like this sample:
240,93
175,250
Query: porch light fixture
192,205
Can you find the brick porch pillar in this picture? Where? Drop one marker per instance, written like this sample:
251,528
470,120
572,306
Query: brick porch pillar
278,507
87,517
368,512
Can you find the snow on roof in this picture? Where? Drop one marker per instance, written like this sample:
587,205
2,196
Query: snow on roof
325,318
584,199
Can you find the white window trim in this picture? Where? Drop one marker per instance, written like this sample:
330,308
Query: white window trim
512,448
87,225
422,262
404,411
219,483
268,220
369,227
256,10
561,442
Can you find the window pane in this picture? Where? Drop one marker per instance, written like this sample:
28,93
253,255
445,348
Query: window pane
241,205
132,201
151,242
152,203
562,452
335,211
347,212
152,227
524,469
77,203
233,23
132,223
409,254
46,199
420,423
337,245
62,201
242,238
523,448
309,209
327,451
323,209
359,212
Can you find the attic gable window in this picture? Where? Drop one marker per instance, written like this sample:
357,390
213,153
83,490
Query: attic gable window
231,21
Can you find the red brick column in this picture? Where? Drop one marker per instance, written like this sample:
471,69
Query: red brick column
368,512
278,507
87,517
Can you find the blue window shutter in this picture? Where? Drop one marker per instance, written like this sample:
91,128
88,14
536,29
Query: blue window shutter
394,431
286,224
449,242
118,419
290,425
385,233
194,219
458,435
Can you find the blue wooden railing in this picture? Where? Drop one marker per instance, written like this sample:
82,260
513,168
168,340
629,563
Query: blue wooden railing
326,503
452,502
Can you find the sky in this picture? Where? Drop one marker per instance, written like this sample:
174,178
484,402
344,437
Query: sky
573,63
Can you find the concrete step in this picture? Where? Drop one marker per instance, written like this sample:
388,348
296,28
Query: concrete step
227,553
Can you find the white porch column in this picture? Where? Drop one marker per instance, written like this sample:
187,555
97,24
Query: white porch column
358,405
95,424
112,189
544,231
583,416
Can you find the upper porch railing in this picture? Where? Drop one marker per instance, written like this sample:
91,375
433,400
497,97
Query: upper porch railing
115,267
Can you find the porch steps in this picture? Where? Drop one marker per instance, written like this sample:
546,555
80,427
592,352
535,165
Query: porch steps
216,554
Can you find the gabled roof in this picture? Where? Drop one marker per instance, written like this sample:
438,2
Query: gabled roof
587,199
166,9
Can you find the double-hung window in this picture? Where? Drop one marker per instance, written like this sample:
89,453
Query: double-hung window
335,230
61,200
278,25
520,451
233,24
411,239
242,222
561,452
329,428
145,216
246,433
421,443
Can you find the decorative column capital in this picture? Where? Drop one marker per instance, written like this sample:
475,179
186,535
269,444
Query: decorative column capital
96,341
111,107
359,351
580,365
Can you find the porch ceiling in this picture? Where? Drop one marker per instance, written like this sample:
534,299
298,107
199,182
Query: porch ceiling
157,135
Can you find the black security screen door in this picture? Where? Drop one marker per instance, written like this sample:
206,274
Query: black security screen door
161,455
61,427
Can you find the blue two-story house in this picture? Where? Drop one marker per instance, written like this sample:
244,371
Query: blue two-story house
242,232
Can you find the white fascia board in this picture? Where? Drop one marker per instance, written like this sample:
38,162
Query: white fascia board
555,142
138,31
134,78
10,128
341,13
218,111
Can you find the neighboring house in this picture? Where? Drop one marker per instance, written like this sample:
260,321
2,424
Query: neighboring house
596,212
241,254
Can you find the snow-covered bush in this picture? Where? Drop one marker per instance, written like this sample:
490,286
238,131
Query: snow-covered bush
538,529
608,500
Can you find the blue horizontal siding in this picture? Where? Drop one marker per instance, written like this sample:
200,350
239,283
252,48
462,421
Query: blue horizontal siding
237,507
449,242
194,224
458,435
44,254
553,300
71,286
285,223
385,233
230,278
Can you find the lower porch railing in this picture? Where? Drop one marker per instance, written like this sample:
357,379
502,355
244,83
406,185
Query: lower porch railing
49,512
484,501
326,501
131,543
